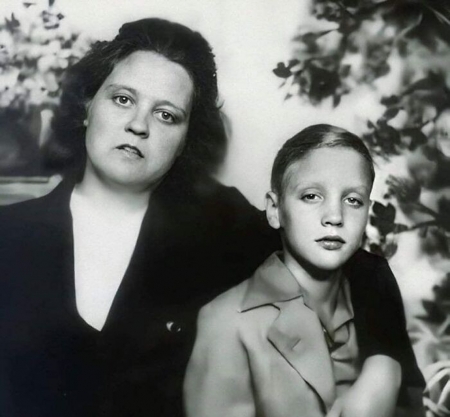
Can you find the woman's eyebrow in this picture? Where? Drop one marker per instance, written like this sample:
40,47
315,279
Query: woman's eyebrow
119,86
135,92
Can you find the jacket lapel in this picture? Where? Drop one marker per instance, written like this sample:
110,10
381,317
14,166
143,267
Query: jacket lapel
296,333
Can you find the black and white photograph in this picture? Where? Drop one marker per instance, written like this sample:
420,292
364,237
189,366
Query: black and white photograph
223,208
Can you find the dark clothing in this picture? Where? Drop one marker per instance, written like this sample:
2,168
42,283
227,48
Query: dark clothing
192,246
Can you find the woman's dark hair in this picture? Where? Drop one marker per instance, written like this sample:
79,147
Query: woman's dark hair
315,137
206,138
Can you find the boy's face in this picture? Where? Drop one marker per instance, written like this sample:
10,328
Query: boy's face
323,211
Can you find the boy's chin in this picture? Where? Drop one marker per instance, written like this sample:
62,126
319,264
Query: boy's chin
327,265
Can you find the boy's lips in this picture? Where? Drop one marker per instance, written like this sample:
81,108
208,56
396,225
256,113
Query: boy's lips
333,242
131,150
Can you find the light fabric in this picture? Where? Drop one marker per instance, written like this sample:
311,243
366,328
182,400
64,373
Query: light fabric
260,351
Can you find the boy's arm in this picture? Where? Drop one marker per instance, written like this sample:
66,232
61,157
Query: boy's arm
217,381
374,393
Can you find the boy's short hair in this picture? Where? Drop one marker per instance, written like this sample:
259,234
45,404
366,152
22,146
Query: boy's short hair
310,138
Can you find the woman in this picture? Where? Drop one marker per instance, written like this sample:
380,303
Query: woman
102,279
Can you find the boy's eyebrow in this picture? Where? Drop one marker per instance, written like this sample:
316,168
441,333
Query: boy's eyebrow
359,188
135,92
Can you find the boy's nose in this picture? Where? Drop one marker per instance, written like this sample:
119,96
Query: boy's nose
139,125
332,215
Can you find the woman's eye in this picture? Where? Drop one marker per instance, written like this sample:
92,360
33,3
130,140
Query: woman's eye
122,100
166,117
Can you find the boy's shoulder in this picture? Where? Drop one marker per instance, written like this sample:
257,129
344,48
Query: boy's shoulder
228,303
270,283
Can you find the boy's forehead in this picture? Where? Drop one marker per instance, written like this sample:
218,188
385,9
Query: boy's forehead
329,165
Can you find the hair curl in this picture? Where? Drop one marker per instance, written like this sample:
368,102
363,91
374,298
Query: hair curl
206,137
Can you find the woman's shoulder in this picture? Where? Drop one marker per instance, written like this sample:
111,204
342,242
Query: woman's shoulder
45,209
366,266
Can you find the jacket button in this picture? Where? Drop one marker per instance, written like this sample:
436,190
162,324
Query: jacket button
173,327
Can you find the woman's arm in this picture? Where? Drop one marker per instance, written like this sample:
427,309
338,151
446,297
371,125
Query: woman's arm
217,381
379,316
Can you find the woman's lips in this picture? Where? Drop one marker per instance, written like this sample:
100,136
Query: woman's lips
131,150
331,242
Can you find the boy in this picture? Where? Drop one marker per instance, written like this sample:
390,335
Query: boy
291,340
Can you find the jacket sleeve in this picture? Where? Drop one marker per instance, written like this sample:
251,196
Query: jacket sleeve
218,379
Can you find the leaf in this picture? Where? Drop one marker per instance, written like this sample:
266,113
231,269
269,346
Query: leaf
370,124
390,101
390,249
415,136
384,226
324,83
423,232
431,82
345,70
399,228
310,38
293,63
385,212
376,249
12,24
444,213
391,113
336,100
282,71
434,314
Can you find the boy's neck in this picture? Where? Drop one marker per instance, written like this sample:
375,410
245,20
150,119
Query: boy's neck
320,288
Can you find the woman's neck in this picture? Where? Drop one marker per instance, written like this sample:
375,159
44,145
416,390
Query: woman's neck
112,199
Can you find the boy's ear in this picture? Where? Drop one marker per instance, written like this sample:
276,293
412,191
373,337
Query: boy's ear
272,214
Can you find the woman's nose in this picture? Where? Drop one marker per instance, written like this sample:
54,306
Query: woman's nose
139,125
332,215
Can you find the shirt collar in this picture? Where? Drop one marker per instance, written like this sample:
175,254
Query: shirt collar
273,282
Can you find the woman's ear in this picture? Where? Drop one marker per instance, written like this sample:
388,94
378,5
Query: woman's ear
272,210
87,108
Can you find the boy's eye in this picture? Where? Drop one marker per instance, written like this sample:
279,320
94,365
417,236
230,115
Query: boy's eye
122,100
353,201
166,116
310,197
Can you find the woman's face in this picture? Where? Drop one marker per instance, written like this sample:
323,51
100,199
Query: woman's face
137,122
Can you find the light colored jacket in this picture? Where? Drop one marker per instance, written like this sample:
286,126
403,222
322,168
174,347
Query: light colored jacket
260,352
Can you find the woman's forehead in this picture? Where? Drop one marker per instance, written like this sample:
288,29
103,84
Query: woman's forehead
150,73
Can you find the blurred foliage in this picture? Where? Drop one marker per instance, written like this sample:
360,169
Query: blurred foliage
36,46
437,391
348,44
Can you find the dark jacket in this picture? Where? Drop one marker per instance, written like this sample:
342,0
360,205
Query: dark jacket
192,245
